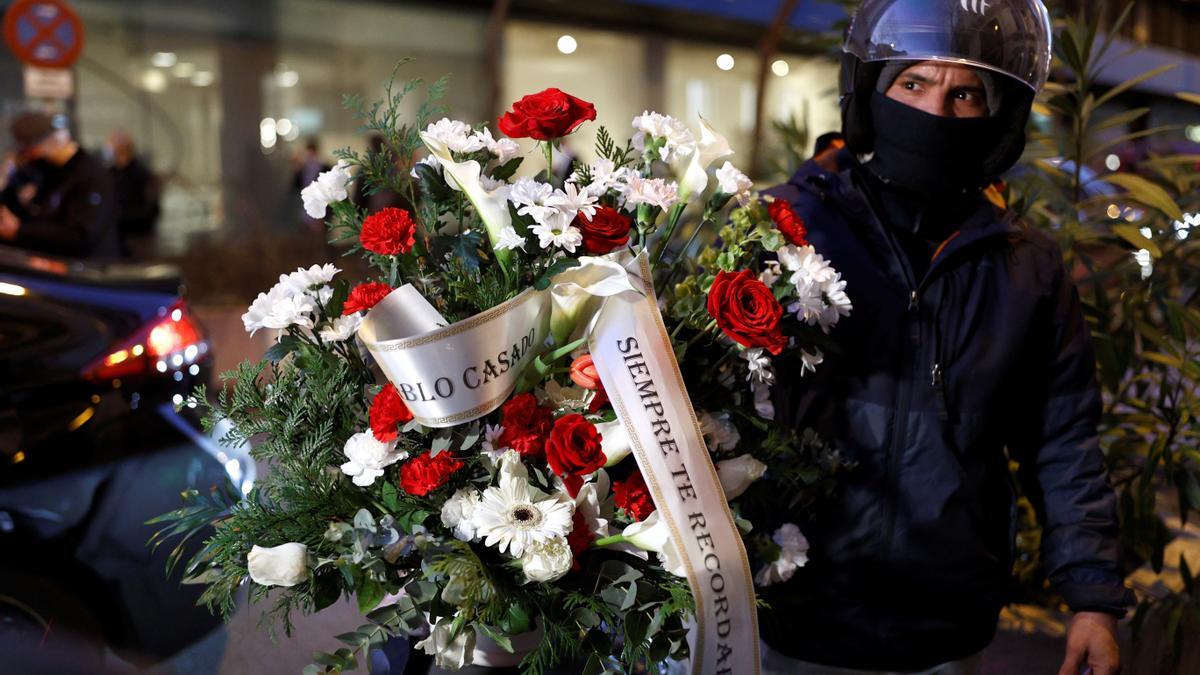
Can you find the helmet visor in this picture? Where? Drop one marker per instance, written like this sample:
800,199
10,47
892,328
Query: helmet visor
1008,36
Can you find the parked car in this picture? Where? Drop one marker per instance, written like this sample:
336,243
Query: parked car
94,361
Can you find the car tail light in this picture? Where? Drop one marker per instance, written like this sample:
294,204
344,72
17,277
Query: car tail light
173,342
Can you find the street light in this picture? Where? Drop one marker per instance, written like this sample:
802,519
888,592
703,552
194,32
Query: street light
725,62
567,44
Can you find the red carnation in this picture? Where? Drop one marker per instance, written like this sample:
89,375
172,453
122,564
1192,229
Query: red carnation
388,411
388,232
365,296
526,425
580,538
573,450
604,232
632,495
546,115
788,222
747,311
425,473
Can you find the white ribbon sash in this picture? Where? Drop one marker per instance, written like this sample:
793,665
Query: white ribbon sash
449,375
633,355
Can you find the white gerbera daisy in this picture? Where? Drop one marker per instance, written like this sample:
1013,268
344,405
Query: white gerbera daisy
513,516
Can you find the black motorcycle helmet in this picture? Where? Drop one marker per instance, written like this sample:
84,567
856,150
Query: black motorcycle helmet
1009,37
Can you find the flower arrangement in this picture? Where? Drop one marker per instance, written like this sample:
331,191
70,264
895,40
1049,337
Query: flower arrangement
596,327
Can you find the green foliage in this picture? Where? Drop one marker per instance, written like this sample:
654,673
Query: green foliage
1144,312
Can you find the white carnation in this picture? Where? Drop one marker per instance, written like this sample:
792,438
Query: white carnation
547,561
457,512
368,456
503,149
734,182
680,140
279,308
456,135
652,191
329,187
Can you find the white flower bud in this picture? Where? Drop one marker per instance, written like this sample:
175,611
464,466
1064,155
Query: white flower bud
283,565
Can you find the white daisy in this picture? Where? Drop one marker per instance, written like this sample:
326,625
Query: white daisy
527,192
805,264
604,177
491,439
509,240
572,201
305,279
513,516
279,308
557,233
341,328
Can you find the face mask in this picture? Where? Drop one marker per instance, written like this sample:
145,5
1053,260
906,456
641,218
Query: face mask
930,156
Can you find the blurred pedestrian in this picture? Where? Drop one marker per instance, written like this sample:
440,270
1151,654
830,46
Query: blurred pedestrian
381,197
137,192
59,199
308,165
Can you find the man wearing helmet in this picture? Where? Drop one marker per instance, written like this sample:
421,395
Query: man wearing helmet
967,348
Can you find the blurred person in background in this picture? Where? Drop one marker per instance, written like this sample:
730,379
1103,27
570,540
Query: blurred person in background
827,148
59,200
380,199
137,192
308,165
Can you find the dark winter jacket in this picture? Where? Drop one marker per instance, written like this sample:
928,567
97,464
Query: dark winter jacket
74,212
936,377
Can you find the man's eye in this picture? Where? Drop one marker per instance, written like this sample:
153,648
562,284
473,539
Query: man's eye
911,86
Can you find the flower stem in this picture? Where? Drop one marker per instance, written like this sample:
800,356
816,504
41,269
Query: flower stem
549,149
609,541
672,223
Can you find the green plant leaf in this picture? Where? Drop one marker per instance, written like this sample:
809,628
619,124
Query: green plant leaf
1134,236
1150,194
1133,82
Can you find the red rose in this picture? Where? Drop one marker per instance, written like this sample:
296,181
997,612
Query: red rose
573,450
388,232
388,411
608,230
788,222
746,310
425,473
579,539
546,115
526,425
631,494
583,372
365,296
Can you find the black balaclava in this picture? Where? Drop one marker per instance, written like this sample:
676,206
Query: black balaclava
929,156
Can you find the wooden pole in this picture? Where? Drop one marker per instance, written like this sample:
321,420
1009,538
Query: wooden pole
493,52
767,47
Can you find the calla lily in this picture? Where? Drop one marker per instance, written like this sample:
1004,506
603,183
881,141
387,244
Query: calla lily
593,278
590,503
283,565
491,205
447,653
614,442
738,473
694,176
652,534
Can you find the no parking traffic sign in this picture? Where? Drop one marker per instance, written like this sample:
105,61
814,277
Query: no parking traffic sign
45,33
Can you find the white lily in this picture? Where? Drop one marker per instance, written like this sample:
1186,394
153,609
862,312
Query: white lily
712,146
652,534
593,278
614,442
447,653
491,205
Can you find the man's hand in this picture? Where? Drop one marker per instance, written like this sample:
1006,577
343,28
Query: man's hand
9,224
1092,642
